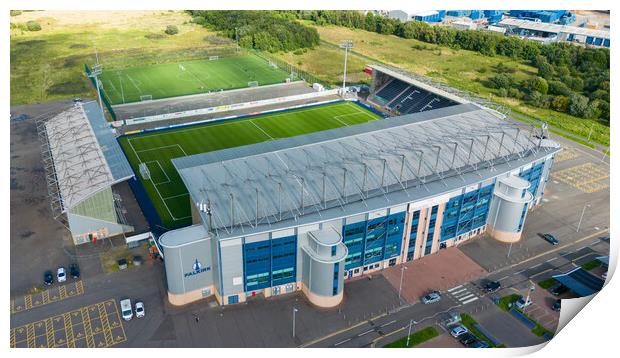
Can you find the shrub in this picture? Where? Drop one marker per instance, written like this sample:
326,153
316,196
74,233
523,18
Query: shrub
33,26
172,30
198,20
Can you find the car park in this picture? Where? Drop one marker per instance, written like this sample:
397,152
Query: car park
126,310
458,331
431,298
522,304
550,239
558,289
557,305
139,309
467,338
492,286
48,278
61,274
74,270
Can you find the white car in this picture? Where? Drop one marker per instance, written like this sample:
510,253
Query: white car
61,274
457,331
139,309
521,304
126,310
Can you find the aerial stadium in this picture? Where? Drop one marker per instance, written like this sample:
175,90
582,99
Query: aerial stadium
258,181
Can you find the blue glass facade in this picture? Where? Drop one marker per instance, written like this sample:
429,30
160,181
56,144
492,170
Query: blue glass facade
466,212
336,274
533,176
269,263
413,235
373,240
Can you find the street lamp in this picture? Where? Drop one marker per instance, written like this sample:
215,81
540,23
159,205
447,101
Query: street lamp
411,323
581,218
346,45
402,272
532,288
295,310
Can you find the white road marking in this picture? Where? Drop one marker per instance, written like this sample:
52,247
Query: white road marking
455,288
459,291
341,342
503,278
551,259
470,300
466,297
368,331
387,324
519,272
535,266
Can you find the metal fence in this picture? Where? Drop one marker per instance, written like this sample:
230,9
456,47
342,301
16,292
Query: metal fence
295,72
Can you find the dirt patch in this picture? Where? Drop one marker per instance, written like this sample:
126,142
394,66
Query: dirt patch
440,271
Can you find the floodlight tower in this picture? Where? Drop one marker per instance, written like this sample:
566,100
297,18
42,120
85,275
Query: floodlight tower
346,45
94,73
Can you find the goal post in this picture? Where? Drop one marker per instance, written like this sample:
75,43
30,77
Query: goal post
253,84
146,97
212,58
144,171
181,67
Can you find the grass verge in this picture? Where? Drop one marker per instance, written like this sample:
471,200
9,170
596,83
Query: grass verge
548,283
507,301
415,338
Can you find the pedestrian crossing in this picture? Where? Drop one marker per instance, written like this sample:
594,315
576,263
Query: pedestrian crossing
462,294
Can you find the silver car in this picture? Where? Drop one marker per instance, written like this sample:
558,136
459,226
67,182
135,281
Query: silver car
431,298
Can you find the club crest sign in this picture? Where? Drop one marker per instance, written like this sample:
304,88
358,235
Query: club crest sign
197,268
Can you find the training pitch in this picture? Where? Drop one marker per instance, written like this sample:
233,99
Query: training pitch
165,187
186,78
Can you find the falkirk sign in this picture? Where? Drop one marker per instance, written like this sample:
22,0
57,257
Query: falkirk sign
197,269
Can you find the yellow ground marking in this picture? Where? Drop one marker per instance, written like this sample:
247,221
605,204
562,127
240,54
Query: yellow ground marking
566,154
68,330
28,301
586,177
88,329
49,333
44,297
105,324
30,337
12,338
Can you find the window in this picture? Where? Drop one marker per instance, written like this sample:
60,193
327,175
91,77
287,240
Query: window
334,250
233,299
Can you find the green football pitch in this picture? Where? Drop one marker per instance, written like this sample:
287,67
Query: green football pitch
185,78
165,187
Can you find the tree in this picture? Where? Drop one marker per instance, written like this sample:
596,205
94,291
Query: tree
535,98
578,105
172,30
559,88
537,84
560,103
33,26
501,81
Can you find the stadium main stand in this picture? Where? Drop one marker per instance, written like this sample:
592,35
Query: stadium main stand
405,98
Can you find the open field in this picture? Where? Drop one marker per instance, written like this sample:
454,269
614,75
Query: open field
188,77
166,189
462,69
49,64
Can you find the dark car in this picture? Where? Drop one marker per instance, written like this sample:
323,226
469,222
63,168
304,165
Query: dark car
557,305
74,271
550,239
492,286
558,289
48,277
467,338
478,344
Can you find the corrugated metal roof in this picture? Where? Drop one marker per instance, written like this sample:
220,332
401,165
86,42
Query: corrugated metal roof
581,282
81,165
371,165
